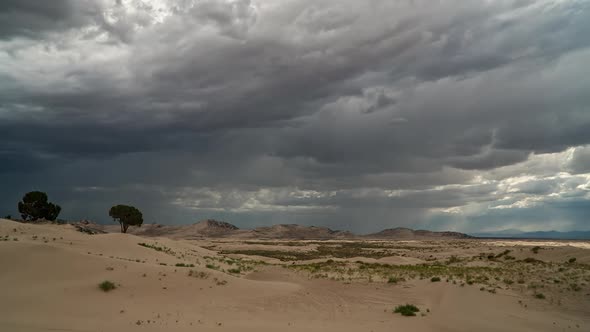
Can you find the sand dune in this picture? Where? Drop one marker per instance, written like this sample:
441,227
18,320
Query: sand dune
50,276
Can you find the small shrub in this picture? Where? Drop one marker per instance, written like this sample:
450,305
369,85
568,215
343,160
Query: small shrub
234,271
540,296
435,279
572,260
392,280
536,249
106,286
406,310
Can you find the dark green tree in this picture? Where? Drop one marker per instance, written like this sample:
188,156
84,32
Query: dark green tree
126,216
35,206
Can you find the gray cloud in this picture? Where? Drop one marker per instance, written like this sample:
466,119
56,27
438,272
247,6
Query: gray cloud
397,112
34,19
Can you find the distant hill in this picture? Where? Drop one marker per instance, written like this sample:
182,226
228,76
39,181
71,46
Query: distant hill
294,231
555,235
215,228
407,233
205,228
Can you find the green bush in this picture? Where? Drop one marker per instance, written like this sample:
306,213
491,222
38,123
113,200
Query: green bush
406,310
540,296
435,279
106,286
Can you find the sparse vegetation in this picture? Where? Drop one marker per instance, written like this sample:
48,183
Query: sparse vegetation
157,248
536,249
435,279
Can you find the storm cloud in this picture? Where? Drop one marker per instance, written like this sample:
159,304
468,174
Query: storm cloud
360,115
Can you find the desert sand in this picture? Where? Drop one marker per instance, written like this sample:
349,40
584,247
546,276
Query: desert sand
50,276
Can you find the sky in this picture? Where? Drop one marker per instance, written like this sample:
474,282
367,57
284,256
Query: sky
470,116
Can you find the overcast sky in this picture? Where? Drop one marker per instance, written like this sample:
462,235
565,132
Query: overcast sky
463,115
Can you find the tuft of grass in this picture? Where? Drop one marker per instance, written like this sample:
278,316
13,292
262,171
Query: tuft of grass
406,310
107,286
184,265
572,260
536,249
435,279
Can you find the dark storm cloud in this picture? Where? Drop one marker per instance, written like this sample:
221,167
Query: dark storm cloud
32,18
237,107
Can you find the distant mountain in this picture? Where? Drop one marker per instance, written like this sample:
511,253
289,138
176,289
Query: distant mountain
407,233
214,228
293,231
514,234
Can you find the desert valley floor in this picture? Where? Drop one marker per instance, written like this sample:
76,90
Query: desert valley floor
50,276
